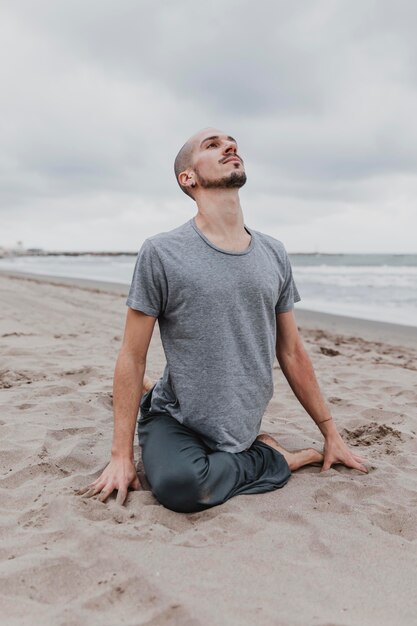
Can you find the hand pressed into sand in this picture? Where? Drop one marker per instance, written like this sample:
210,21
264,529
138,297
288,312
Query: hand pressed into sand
119,474
336,451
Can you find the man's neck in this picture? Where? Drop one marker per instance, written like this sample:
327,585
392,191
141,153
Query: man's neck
220,215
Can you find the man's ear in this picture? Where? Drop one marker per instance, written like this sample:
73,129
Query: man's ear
186,179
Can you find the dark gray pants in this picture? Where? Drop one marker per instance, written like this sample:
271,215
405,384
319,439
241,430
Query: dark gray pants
187,476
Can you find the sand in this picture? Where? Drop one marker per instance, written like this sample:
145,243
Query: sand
331,548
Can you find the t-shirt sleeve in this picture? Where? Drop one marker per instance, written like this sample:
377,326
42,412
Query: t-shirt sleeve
289,292
148,290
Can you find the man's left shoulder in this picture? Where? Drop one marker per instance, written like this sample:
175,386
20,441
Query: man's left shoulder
271,242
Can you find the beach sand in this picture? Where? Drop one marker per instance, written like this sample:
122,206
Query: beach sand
334,548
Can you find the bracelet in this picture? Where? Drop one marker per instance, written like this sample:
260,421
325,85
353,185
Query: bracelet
328,419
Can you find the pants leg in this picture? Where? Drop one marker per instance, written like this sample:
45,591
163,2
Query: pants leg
186,476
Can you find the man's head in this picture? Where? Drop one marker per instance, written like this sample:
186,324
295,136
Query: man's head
209,160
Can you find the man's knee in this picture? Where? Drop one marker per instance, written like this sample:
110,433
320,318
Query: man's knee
180,490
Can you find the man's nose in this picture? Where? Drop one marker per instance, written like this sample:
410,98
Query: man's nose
230,147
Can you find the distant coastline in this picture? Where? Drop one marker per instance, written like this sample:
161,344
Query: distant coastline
7,253
34,252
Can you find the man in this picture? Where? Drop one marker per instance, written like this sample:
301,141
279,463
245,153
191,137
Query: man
223,295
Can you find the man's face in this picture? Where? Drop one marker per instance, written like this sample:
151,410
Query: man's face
216,161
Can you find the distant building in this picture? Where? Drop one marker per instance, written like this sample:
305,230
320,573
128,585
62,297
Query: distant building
19,250
36,251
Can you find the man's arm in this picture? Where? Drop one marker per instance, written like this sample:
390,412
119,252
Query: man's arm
298,370
129,372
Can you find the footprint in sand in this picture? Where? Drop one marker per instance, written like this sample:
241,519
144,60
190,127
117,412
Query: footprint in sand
335,400
33,471
11,378
15,334
398,522
347,497
222,529
329,351
106,399
81,375
64,433
54,390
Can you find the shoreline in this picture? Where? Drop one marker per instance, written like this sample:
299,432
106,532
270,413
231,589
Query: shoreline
371,330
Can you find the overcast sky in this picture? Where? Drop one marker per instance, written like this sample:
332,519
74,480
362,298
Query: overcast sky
98,96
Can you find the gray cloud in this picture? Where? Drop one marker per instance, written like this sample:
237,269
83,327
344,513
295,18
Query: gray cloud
99,96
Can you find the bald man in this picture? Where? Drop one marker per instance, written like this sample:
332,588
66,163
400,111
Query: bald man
223,295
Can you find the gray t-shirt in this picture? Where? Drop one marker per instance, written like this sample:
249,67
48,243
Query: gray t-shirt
216,313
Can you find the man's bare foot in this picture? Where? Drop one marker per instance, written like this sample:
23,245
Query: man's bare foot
148,383
297,458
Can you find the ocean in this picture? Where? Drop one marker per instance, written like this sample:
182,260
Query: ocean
380,287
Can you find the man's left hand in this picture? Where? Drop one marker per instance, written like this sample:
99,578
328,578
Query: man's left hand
336,451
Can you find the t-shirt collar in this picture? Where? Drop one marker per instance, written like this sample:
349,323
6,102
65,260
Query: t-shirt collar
212,245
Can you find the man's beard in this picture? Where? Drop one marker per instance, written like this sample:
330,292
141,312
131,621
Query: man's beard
235,180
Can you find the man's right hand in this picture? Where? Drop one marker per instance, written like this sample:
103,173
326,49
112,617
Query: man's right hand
119,474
